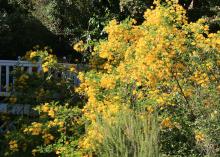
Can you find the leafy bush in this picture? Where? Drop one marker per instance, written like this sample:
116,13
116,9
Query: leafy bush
54,83
164,64
55,132
131,134
57,126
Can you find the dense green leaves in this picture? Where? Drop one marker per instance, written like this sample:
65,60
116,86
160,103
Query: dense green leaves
61,23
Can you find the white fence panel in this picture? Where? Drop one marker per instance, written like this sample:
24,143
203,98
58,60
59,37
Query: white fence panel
6,79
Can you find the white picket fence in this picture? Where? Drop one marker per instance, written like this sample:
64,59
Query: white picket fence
6,67
7,79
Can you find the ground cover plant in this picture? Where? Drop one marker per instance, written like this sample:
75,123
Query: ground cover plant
153,85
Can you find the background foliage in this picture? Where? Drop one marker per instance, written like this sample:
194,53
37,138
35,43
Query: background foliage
60,23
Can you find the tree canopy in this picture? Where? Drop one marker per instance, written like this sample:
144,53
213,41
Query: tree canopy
60,23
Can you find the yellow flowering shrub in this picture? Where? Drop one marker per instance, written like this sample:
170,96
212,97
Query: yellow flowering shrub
165,64
57,130
47,85
54,128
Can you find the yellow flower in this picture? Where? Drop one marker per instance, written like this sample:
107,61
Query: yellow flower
199,136
150,109
73,69
61,124
45,108
107,82
33,54
79,46
34,151
218,88
51,113
13,145
13,100
35,129
45,69
48,138
58,152
167,123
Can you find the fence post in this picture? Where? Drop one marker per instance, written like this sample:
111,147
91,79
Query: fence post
39,68
7,78
0,78
30,69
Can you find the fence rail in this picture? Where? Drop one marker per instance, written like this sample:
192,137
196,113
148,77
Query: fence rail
7,79
7,66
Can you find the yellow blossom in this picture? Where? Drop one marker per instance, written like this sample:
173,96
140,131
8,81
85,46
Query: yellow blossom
79,46
45,108
13,145
51,113
45,69
150,109
48,138
108,82
199,136
33,54
167,123
34,151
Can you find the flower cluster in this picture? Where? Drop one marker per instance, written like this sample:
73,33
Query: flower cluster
79,46
13,145
35,129
199,136
43,56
